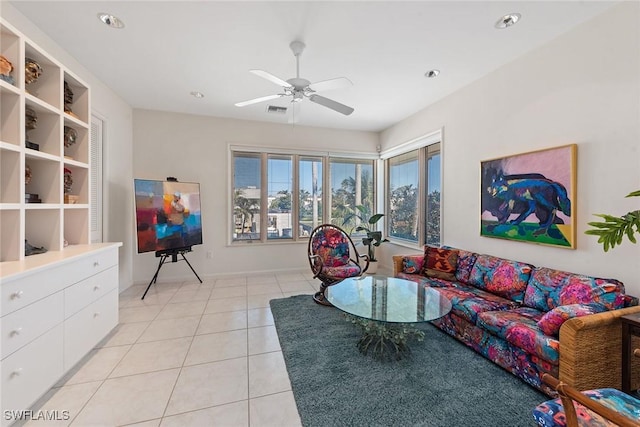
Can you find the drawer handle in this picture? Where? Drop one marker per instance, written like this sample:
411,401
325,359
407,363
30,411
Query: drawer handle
96,288
17,295
96,314
96,263
15,332
17,372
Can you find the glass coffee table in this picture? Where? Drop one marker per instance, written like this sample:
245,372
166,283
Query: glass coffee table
387,310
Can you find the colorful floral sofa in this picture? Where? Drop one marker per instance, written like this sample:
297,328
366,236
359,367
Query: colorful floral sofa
529,320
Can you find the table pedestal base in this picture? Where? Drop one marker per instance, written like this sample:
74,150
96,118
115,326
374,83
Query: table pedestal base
385,341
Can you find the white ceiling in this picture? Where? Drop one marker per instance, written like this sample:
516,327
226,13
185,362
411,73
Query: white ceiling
170,48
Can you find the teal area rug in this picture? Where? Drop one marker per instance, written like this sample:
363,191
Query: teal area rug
443,383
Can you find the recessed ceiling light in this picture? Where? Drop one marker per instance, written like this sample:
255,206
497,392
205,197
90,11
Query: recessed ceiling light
197,94
110,20
432,73
507,20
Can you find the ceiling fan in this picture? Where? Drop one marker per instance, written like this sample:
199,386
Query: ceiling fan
299,88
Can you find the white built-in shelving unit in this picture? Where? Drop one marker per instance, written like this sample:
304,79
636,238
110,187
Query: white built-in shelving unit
52,222
54,306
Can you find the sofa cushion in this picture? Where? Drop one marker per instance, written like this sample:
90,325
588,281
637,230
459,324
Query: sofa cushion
412,264
342,271
501,276
440,262
550,288
520,328
550,323
432,282
467,302
466,260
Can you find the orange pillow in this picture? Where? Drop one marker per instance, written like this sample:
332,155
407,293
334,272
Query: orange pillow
440,263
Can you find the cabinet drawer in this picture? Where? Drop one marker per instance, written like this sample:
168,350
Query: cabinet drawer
83,293
85,329
28,323
31,371
19,293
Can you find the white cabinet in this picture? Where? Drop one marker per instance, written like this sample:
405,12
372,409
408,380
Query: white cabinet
54,309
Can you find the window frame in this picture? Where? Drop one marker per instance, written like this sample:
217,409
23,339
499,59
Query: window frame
297,156
422,144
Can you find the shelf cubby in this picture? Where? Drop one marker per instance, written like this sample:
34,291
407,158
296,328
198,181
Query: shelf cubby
42,228
80,150
10,245
76,226
10,117
45,179
48,86
47,134
80,186
80,104
10,169
10,49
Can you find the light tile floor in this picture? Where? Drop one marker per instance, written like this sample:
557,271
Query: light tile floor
189,354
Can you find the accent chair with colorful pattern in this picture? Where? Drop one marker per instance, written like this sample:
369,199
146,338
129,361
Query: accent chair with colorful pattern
332,257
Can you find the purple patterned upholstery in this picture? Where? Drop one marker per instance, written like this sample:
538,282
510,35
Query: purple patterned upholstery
501,276
551,322
551,412
343,271
468,302
550,288
412,264
520,328
466,260
332,246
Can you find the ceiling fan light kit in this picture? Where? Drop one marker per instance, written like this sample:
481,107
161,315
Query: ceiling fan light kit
298,88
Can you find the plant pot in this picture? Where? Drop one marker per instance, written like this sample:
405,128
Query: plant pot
373,267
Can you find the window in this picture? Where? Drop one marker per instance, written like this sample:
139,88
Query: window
246,196
267,182
279,196
351,186
310,194
413,194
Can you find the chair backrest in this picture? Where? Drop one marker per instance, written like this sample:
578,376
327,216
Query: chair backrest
569,394
331,244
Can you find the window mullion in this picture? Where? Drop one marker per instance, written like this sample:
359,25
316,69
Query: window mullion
264,199
422,196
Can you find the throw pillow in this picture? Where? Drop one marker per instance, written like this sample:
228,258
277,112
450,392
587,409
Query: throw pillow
440,263
550,323
412,264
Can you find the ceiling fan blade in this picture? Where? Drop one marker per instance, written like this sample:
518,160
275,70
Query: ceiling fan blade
330,103
331,84
257,100
271,78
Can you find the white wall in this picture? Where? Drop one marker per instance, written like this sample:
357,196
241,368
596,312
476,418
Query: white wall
195,149
117,169
583,88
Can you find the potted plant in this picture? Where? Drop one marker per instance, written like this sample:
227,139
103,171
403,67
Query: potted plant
612,230
373,238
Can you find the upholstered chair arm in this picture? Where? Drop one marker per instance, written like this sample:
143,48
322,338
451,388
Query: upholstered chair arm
397,264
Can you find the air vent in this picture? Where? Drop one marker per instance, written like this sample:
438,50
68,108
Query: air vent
275,109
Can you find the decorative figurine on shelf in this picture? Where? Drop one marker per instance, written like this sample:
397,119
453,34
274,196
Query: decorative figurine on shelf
32,70
30,123
70,136
68,181
27,174
6,67
68,100
32,250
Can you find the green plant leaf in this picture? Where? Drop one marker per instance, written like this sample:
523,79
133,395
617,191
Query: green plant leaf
375,218
634,194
